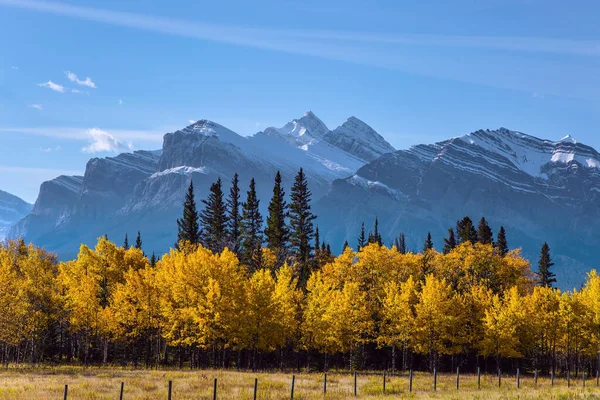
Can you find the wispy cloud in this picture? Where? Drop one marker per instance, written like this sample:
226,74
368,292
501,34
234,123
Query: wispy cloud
51,149
82,134
53,86
36,106
102,141
87,82
15,67
120,102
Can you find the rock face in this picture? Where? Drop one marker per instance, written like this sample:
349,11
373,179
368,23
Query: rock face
144,190
537,189
12,209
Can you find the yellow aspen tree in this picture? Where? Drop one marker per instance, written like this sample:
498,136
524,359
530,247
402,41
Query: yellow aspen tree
590,297
288,300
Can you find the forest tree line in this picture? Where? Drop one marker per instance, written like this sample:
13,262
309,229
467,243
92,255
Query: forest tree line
236,293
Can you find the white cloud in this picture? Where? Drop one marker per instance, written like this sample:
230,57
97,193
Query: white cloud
87,82
15,67
53,86
192,121
73,133
102,141
36,106
51,149
120,102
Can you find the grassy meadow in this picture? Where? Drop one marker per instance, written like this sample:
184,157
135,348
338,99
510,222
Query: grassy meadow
105,383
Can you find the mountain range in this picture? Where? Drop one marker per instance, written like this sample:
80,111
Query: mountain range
539,190
12,210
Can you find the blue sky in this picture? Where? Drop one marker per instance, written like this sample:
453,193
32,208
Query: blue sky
84,79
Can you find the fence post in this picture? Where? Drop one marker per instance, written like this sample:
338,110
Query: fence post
325,383
293,382
478,378
66,391
255,387
434,380
518,378
122,389
383,381
499,378
410,376
355,392
457,378
170,390
535,378
215,390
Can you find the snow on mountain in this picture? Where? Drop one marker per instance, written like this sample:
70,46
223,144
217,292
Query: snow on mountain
12,209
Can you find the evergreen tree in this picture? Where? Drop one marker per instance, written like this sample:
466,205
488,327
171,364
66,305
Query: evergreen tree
466,231
251,230
545,277
301,225
362,241
233,213
277,233
188,228
213,219
126,243
138,241
400,243
346,245
449,242
484,232
375,237
153,260
428,245
501,243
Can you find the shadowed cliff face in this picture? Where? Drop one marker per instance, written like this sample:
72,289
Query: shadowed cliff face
12,209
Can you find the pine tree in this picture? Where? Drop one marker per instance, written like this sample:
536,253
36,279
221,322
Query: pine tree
400,243
501,243
301,226
317,242
375,237
466,231
484,232
153,260
277,233
251,230
233,213
138,241
362,241
346,245
449,242
126,243
545,277
188,228
213,219
428,245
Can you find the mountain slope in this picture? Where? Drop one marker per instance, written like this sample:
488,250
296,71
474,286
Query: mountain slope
144,190
538,189
12,209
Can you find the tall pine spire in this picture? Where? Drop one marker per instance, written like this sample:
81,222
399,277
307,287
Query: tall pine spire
449,242
126,243
501,243
234,217
213,219
138,241
466,231
251,230
428,245
545,277
484,232
362,240
301,224
188,228
277,233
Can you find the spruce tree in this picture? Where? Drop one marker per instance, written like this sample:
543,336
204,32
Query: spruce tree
545,277
466,231
375,237
153,260
428,245
213,219
362,241
138,241
501,243
188,228
277,233
251,236
346,245
233,214
126,243
301,224
400,243
449,242
484,232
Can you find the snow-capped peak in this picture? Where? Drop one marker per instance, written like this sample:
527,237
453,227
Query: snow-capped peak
306,129
569,139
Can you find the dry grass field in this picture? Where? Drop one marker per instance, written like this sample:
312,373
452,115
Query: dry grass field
105,383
